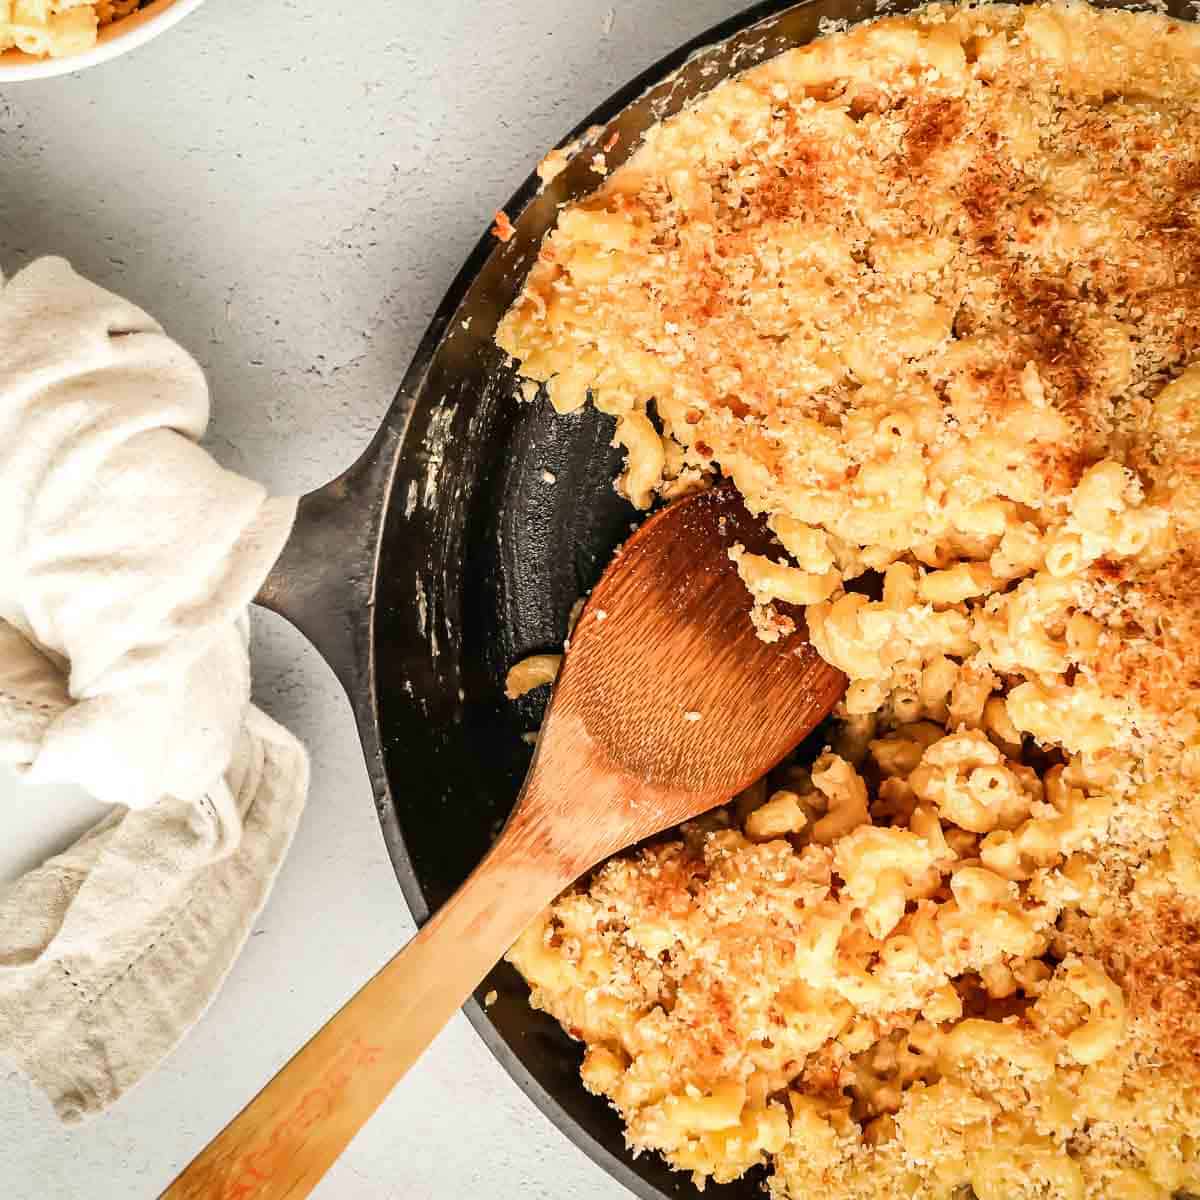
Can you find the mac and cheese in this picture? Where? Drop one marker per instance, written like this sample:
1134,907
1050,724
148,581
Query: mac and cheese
56,28
927,291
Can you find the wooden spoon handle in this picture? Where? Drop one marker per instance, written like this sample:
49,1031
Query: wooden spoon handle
288,1136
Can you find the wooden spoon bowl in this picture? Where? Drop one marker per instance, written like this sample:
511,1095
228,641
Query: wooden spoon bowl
667,704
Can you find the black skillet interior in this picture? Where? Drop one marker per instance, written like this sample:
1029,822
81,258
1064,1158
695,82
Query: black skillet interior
500,516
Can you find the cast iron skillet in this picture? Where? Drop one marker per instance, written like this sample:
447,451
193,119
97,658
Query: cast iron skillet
444,554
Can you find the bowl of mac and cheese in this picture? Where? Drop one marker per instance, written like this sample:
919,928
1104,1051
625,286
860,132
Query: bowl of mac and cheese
928,291
42,38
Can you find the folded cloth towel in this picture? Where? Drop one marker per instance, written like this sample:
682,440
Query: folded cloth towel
129,559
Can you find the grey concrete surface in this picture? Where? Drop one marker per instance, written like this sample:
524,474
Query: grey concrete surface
290,186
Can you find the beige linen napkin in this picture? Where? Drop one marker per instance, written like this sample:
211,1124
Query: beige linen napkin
127,560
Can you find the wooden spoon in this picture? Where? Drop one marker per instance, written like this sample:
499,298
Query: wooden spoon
667,704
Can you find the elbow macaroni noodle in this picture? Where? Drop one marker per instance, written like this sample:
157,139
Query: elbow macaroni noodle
536,670
927,292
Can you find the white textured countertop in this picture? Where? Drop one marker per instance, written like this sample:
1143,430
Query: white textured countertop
290,186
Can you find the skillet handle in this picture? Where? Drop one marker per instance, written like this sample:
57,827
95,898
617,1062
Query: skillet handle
324,581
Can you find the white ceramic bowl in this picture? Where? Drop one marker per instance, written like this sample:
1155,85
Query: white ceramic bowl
114,40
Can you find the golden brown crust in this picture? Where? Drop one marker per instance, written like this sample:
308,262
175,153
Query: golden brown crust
1153,951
